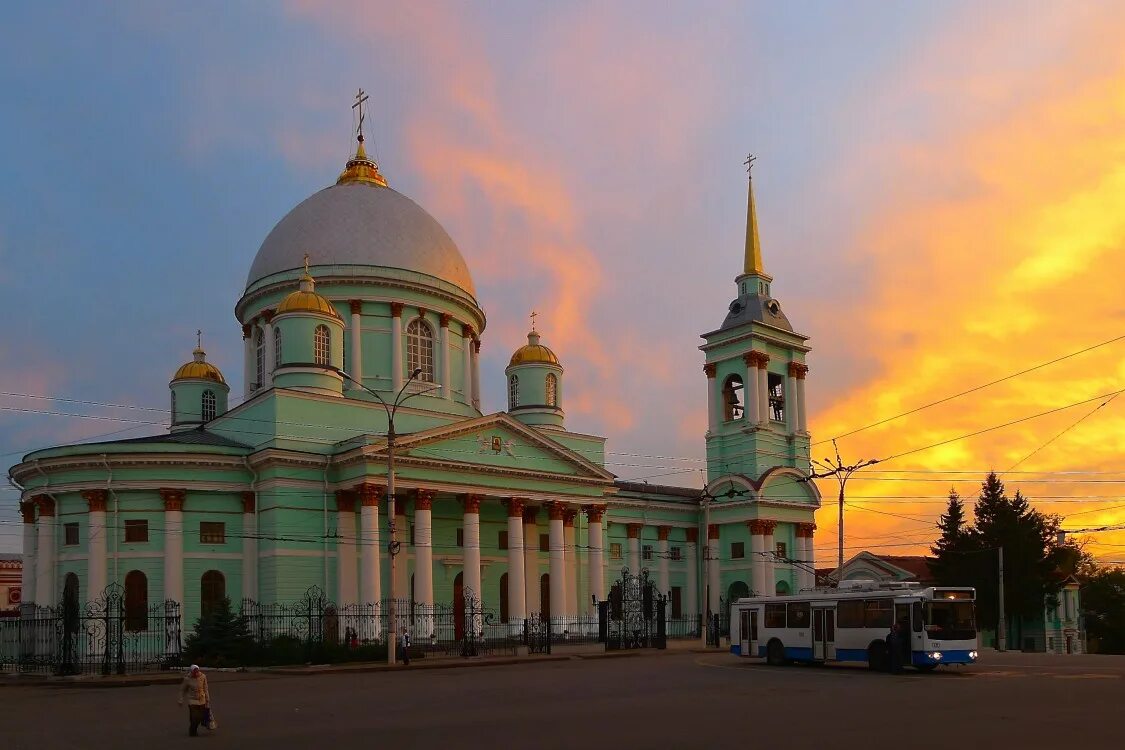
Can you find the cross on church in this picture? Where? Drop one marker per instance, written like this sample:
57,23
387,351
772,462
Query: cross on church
750,159
198,339
360,98
533,316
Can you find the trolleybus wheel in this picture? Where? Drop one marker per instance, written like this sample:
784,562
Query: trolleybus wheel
775,654
877,656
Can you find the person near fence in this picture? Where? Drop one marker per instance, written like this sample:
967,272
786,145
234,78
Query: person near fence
194,686
404,646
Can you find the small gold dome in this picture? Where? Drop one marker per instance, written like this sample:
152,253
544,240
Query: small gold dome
361,169
305,299
199,369
533,352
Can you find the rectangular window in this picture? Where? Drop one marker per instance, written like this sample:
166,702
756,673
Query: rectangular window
460,537
878,613
775,615
782,551
70,534
544,542
797,615
212,532
675,554
502,539
737,550
777,397
646,552
615,550
136,530
849,613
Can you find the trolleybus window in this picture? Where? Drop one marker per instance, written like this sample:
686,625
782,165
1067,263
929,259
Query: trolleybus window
775,615
849,613
798,615
878,613
916,616
950,620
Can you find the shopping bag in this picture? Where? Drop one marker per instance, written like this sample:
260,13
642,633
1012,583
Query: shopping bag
210,720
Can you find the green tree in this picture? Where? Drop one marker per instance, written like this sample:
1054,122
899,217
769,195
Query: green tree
1103,607
953,563
220,638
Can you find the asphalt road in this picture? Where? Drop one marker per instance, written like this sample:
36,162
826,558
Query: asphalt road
673,700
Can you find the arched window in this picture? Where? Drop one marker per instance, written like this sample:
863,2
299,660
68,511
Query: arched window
322,346
277,346
552,390
208,405
732,390
259,359
212,592
136,601
420,349
513,391
173,406
782,588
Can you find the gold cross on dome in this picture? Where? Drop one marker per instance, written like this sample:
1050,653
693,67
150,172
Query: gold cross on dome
199,339
533,316
306,264
750,159
360,98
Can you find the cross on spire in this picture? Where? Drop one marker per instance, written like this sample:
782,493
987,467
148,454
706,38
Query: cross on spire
534,315
198,339
749,163
360,98
306,264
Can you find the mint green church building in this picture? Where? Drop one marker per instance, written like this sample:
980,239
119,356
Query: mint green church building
356,297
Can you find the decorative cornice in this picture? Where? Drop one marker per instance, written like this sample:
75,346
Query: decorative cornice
249,501
345,501
96,500
173,498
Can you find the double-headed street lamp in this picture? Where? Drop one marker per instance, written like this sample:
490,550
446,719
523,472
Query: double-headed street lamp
392,544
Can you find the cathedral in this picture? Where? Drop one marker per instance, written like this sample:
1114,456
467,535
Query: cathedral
358,457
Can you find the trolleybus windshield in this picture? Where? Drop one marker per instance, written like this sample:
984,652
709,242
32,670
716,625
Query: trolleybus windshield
950,620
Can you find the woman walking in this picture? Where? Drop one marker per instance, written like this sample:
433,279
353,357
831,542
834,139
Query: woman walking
194,687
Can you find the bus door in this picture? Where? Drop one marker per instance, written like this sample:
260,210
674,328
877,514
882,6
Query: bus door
748,632
824,634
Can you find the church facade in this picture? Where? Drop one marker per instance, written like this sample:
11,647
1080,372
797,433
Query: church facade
358,306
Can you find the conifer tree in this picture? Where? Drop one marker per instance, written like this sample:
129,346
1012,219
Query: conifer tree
951,565
220,638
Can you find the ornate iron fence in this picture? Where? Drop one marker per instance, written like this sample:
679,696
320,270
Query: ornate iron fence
634,616
100,636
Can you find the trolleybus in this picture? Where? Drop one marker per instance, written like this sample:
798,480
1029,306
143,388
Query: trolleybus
851,624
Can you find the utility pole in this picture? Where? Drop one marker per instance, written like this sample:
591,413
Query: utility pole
843,473
1001,628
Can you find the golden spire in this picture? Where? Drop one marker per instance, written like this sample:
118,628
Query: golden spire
360,168
753,262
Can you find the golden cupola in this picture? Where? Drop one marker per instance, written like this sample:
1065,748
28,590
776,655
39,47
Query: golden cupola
533,352
360,168
199,369
305,299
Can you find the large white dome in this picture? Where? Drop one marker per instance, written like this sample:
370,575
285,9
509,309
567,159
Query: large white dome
361,223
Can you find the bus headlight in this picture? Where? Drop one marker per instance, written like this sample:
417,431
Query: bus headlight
935,655
973,655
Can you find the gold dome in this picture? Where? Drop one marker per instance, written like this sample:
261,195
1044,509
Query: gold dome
533,352
305,299
361,169
199,369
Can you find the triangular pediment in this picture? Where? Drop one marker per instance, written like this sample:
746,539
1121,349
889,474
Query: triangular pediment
495,441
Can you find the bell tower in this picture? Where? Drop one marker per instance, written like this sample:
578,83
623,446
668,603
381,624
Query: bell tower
755,368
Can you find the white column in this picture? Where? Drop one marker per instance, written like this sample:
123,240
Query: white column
249,357
531,561
597,560
691,595
174,544
370,578
249,546
769,559
634,541
400,586
424,558
663,580
467,363
763,389
802,416
268,359
713,569
27,576
476,373
471,535
758,559
517,593
713,401
355,367
95,543
446,354
558,566
396,346
571,557
45,594
750,390
792,407
346,564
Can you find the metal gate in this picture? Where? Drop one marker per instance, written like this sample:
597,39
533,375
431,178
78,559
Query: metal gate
634,615
537,634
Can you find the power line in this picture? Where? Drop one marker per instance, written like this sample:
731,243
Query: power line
1079,421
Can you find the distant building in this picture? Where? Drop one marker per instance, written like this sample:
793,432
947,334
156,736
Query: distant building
11,570
869,566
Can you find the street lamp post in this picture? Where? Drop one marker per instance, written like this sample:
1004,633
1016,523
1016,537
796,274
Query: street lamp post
392,544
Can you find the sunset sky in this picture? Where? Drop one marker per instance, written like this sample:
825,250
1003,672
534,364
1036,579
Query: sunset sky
940,190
